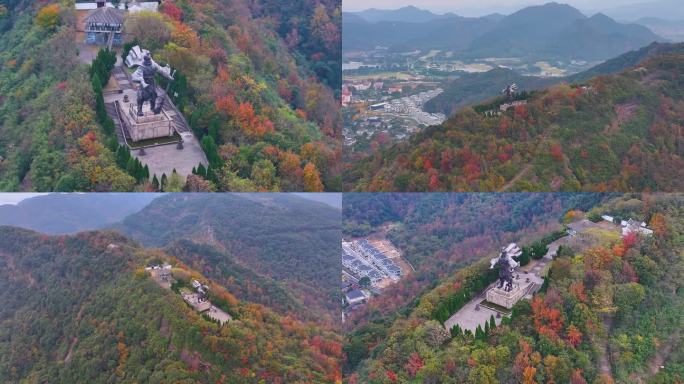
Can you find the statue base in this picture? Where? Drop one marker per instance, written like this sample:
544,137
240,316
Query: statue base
505,299
149,126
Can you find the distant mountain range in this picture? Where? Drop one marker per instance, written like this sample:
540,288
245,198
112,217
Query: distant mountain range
474,88
550,31
663,9
670,29
408,14
68,213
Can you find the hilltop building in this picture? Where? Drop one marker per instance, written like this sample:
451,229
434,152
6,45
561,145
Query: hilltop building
131,5
633,226
104,23
104,26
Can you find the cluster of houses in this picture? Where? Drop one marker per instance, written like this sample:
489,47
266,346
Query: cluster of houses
361,86
377,259
630,226
359,267
362,260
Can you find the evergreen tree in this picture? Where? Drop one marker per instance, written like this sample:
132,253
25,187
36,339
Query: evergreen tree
486,328
479,334
164,180
139,170
492,322
211,175
99,98
146,172
155,182
130,166
201,171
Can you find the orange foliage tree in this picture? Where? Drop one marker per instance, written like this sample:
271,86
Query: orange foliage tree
312,179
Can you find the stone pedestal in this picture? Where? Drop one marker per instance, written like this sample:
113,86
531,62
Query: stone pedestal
149,126
505,299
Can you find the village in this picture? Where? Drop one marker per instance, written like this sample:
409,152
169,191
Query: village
160,139
384,91
368,266
390,107
196,295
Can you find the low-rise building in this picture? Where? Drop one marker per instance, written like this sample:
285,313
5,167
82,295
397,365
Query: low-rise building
131,5
633,226
355,297
104,26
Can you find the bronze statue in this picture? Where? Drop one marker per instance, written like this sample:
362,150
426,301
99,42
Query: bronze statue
510,90
147,91
506,265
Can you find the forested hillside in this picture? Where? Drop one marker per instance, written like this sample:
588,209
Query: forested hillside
286,238
256,81
612,133
610,311
440,233
476,88
49,135
81,309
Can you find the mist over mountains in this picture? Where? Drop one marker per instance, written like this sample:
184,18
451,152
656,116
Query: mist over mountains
68,213
547,31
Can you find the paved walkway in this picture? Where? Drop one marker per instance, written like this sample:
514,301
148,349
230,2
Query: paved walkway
166,158
161,159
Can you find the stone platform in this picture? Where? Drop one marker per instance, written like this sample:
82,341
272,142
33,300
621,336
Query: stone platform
505,299
148,126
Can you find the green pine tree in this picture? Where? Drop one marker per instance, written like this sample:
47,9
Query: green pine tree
155,182
130,167
201,171
479,334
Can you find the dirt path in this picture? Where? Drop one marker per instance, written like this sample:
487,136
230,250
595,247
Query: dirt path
662,354
69,354
74,340
604,360
516,178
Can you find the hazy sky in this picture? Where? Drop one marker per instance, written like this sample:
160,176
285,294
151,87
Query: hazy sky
333,199
480,7
15,198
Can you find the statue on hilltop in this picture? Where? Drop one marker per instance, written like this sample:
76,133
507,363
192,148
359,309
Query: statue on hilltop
506,265
144,75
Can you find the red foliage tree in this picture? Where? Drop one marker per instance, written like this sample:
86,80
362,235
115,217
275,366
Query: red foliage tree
574,335
414,364
173,11
557,152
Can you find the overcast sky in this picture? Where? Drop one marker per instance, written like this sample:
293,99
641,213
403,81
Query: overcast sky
15,198
480,7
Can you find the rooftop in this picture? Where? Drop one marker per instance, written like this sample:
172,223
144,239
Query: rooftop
355,294
105,15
